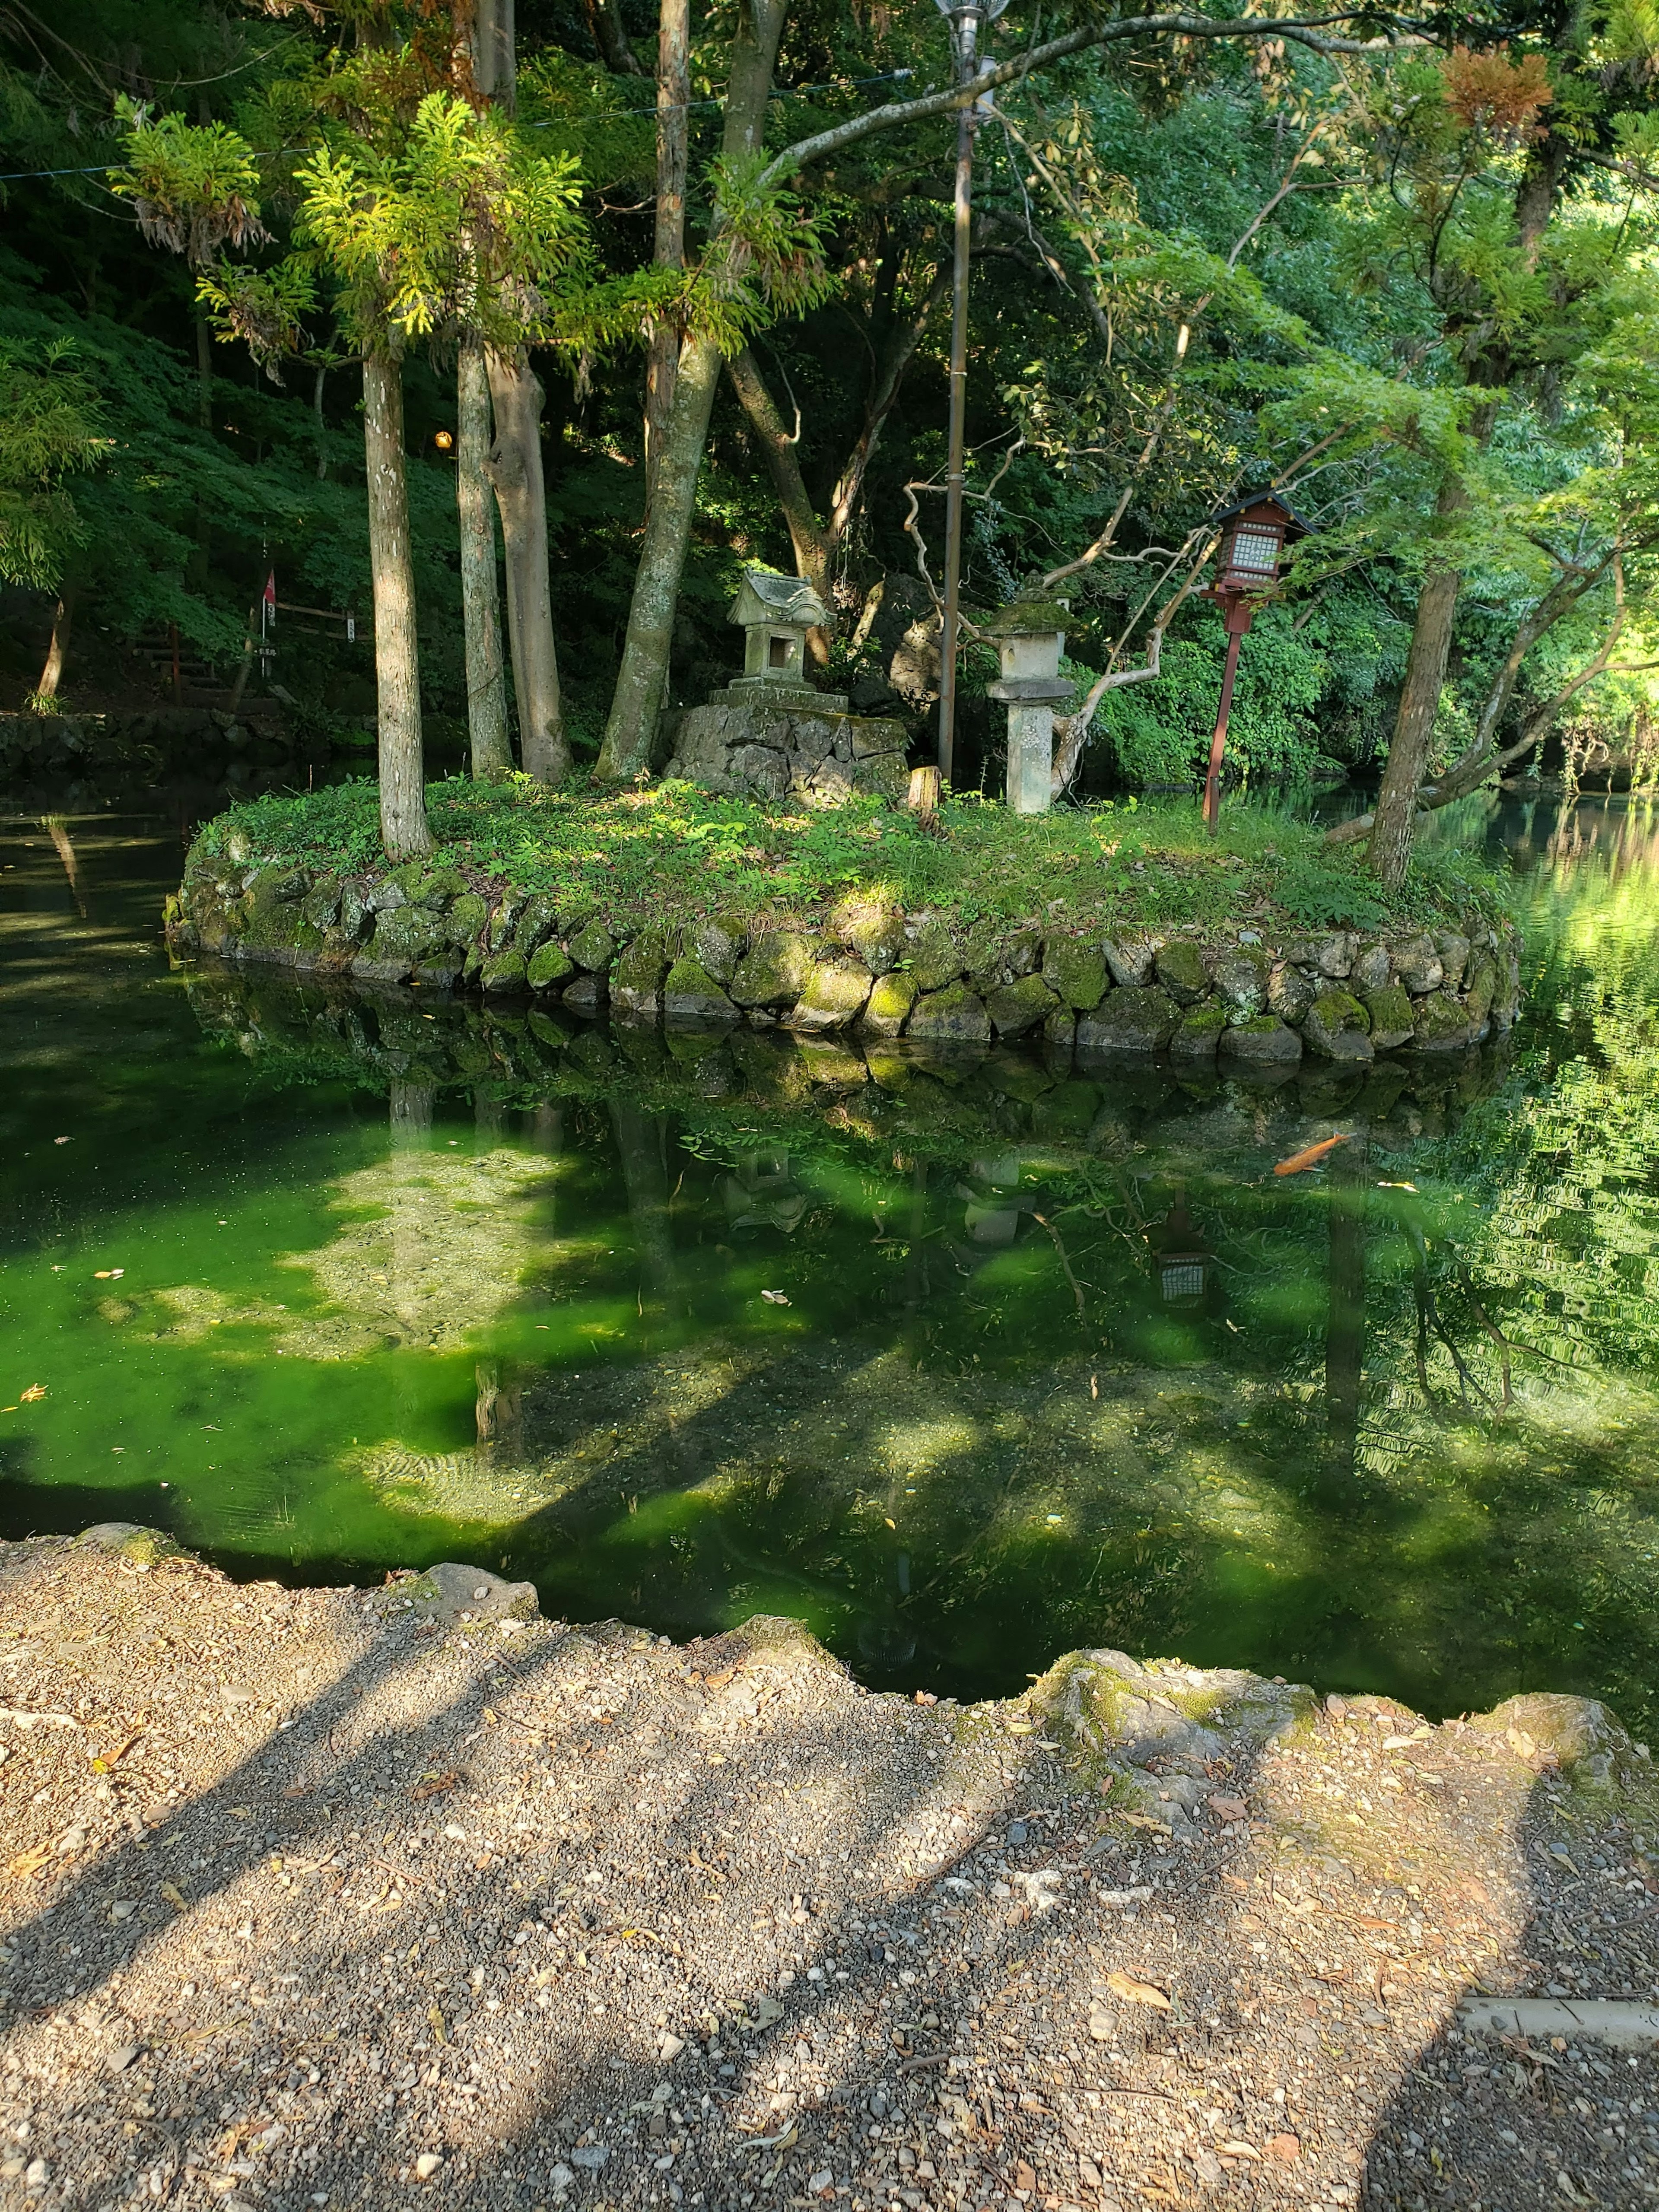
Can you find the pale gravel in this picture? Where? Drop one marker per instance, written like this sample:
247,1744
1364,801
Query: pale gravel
369,1912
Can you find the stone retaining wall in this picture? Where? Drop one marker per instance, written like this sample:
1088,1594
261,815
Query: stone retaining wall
1339,995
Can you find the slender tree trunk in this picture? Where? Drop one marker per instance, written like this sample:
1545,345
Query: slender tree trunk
204,373
513,465
895,358
781,455
319,384
631,731
494,60
609,35
1392,828
673,145
404,829
481,610
57,651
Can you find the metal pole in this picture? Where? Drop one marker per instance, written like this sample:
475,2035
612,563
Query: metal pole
966,23
1219,742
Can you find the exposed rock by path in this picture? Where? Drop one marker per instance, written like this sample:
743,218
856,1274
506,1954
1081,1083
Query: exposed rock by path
346,1899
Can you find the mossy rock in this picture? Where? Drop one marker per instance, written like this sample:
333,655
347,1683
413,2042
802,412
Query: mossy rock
1290,993
593,948
874,929
1199,1032
548,967
407,934
1016,1007
1130,1021
1241,978
716,944
468,917
890,1002
1439,1023
1075,973
775,970
691,994
536,924
1264,1042
422,885
1479,988
142,1547
834,994
588,994
321,904
1183,970
636,980
955,1015
504,972
1391,1010
1337,1027
933,959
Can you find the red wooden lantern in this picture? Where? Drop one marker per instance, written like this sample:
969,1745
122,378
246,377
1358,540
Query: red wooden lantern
1254,536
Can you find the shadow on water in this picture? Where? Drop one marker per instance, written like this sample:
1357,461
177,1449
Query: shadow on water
962,1363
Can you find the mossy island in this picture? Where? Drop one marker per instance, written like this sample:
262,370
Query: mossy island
1110,931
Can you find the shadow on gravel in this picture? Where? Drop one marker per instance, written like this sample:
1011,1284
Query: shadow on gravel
1517,2114
507,2019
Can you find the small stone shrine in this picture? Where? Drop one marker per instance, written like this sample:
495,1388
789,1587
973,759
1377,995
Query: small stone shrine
768,734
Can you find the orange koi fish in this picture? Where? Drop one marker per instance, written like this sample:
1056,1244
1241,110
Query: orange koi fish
1299,1161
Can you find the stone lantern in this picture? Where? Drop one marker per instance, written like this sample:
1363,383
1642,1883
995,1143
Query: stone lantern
1029,636
776,613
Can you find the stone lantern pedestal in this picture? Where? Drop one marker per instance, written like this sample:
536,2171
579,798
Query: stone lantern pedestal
1030,636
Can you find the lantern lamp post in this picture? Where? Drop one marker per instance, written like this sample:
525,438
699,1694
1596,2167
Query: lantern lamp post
1254,534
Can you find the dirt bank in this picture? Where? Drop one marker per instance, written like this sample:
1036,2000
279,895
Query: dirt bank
335,1898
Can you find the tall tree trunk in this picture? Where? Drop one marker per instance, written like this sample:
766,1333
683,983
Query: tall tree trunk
495,62
673,148
63,620
480,608
203,374
404,829
1392,826
318,385
631,731
513,465
781,455
902,343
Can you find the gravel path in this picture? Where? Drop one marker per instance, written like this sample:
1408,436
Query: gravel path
329,1898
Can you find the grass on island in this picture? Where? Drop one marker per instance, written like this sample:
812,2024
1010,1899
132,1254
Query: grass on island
672,850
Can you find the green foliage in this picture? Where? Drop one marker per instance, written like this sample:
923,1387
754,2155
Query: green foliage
51,426
671,850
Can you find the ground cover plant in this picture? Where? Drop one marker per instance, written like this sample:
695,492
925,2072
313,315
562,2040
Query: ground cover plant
672,849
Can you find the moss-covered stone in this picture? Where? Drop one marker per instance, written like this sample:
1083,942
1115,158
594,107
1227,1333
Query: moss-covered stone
1291,993
1016,1007
933,958
407,934
690,993
636,979
468,917
1439,1023
834,994
548,967
321,904
1129,1021
1075,973
1263,1042
1059,1031
716,944
588,994
955,1015
142,1547
1198,1032
504,972
874,929
422,884
1391,1010
536,924
1417,963
1183,970
593,948
1337,1027
774,970
890,1002
1240,978
1480,989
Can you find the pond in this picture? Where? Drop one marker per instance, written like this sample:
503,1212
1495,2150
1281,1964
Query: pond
963,1364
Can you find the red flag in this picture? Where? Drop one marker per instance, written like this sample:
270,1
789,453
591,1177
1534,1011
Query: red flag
270,590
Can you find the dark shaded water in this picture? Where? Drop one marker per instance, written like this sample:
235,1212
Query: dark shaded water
326,1283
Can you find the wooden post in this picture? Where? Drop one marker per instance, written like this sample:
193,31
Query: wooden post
965,22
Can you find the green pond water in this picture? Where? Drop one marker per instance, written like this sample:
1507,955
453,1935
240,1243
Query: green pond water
963,1364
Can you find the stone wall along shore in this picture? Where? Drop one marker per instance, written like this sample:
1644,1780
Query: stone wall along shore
1338,995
